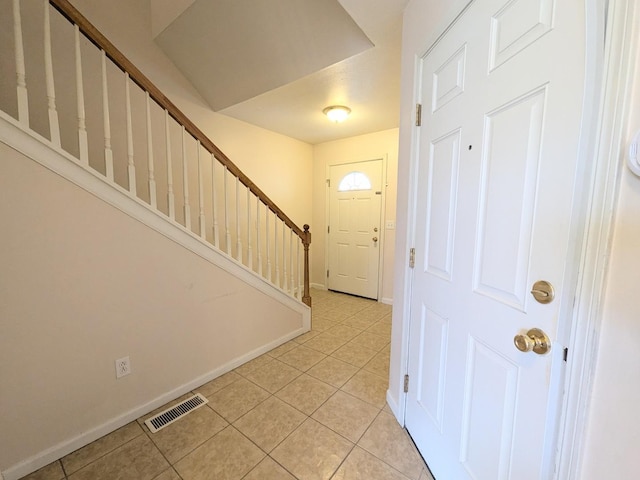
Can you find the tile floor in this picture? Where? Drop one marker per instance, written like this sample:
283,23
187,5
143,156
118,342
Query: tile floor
311,409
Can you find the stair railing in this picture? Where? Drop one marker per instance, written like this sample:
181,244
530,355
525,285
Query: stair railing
230,212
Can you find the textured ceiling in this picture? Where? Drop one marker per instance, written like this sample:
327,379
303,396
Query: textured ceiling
277,63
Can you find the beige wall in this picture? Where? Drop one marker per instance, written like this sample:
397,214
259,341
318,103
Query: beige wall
83,284
613,436
355,149
287,180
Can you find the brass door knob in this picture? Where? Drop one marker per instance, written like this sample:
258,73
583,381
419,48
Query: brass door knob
375,239
535,339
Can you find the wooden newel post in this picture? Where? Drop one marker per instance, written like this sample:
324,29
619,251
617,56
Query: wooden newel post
306,241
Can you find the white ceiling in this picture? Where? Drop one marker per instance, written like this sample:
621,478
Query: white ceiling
279,63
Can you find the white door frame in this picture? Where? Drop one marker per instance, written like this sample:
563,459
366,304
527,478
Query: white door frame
609,77
383,203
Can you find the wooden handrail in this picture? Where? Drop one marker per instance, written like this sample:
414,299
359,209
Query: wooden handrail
67,10
92,33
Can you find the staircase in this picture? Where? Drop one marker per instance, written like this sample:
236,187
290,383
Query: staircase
126,232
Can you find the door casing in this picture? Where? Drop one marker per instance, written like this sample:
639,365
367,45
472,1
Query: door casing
601,146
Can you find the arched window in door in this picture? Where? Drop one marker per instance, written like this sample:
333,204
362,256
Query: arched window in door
354,181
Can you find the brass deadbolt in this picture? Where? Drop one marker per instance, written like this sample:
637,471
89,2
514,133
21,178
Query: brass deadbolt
543,291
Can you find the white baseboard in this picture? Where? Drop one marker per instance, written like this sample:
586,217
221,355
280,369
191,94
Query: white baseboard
318,286
395,408
65,447
386,300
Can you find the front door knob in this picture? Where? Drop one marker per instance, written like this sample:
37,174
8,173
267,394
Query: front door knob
535,339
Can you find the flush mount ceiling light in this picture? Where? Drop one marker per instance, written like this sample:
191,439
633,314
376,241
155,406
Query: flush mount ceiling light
337,113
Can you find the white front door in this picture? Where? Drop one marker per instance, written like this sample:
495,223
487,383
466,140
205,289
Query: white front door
355,199
501,96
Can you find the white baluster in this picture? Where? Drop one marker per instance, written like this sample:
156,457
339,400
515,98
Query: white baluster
83,142
299,269
152,176
285,283
214,200
171,201
54,125
201,218
292,289
266,216
108,153
258,244
249,247
238,239
21,76
185,182
131,166
276,249
226,213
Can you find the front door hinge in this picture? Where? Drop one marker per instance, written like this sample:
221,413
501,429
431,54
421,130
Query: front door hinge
327,273
328,229
412,257
418,114
406,383
329,182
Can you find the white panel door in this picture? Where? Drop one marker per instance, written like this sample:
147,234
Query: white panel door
501,97
355,199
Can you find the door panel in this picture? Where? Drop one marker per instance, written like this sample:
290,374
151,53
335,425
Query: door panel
354,229
512,145
441,201
496,163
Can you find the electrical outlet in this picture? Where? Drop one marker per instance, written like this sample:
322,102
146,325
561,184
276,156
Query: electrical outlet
123,367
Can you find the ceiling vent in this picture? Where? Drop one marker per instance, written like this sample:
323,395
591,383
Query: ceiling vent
161,420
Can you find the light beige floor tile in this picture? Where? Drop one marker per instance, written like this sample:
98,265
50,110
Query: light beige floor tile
237,399
269,423
168,475
53,471
386,439
361,465
268,469
337,316
84,456
305,337
282,349
354,306
183,436
343,331
346,415
381,328
354,354
273,376
139,459
379,365
227,456
373,313
333,371
312,452
302,358
369,387
426,475
387,409
218,384
325,343
320,324
358,323
369,340
254,364
306,393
